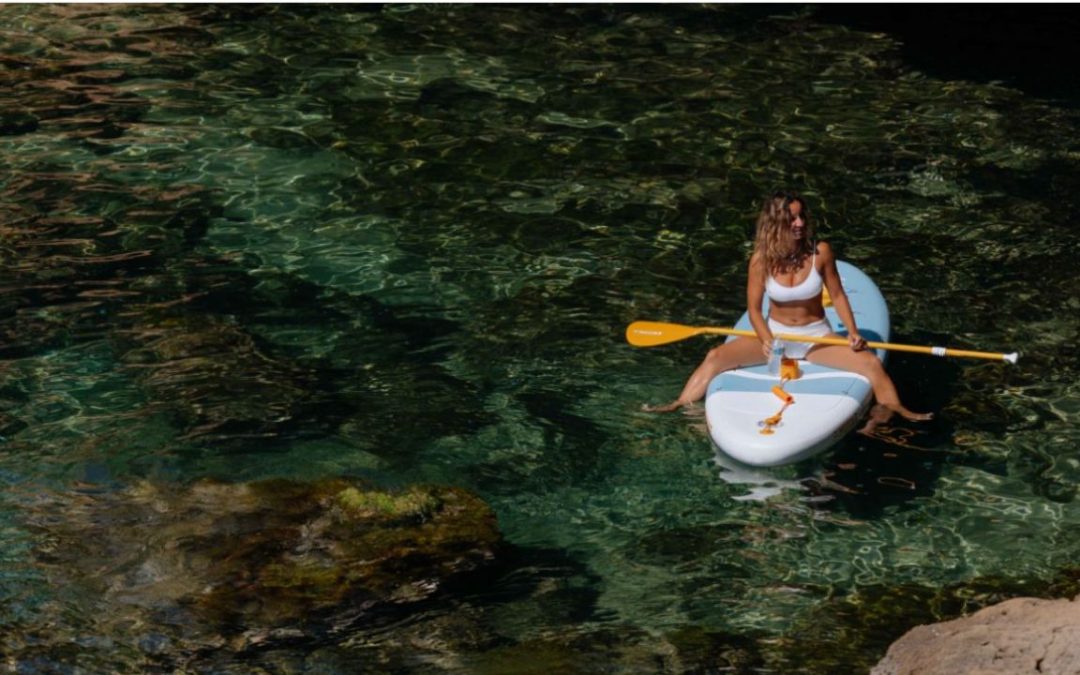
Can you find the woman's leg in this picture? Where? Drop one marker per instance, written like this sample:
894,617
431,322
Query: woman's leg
867,364
742,351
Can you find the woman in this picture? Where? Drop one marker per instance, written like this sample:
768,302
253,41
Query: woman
792,268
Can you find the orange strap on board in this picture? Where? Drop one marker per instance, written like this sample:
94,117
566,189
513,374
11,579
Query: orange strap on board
768,423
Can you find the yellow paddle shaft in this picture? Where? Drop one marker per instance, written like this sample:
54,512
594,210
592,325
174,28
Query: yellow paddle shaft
655,333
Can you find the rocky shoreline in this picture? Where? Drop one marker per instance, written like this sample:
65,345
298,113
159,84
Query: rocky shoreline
1022,635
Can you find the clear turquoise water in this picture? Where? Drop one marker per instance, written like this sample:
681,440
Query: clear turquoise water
423,229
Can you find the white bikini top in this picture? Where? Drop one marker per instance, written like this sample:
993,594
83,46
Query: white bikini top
810,286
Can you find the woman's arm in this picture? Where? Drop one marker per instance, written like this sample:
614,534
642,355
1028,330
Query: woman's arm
839,297
755,293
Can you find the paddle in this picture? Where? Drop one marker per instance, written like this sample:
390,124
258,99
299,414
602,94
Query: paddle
655,333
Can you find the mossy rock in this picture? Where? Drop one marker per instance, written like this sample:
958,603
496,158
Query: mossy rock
415,503
248,559
336,545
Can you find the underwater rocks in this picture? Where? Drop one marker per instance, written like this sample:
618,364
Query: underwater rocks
1022,635
215,380
332,552
239,565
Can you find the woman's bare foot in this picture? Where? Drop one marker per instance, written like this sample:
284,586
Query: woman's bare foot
912,416
879,415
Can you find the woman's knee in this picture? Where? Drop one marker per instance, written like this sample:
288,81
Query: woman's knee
722,356
716,354
870,364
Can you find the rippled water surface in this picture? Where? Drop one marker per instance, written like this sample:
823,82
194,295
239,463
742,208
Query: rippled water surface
403,243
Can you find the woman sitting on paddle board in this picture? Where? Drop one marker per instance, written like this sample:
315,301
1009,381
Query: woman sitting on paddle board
792,268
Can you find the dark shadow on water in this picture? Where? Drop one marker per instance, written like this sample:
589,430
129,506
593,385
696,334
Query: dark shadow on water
898,460
1029,47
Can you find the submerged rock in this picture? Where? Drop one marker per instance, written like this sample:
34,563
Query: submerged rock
264,561
1022,635
216,381
330,552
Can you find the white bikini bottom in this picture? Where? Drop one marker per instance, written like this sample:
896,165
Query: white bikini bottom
798,350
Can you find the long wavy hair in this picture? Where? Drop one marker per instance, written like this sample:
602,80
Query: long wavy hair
772,239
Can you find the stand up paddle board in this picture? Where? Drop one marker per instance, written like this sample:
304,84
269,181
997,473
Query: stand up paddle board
827,403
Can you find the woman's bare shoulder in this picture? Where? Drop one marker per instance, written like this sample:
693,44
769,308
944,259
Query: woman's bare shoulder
756,263
824,250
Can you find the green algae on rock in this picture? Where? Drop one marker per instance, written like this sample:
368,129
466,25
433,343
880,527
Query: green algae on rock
252,562
343,548
414,503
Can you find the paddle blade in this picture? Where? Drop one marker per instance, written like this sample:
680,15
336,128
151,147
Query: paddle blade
654,333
